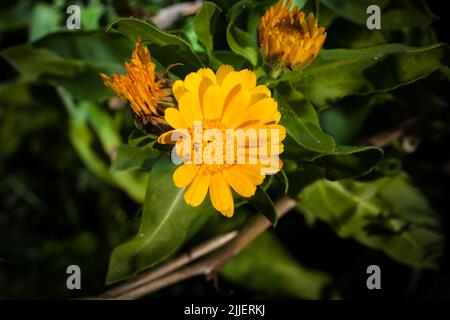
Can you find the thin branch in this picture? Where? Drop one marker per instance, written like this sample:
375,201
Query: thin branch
208,266
251,230
166,17
385,138
164,269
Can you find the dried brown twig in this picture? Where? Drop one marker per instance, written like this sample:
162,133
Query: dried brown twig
177,270
166,17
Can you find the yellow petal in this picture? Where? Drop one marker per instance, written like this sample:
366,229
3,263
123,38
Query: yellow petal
222,72
259,93
174,118
271,131
230,96
247,79
252,172
178,89
192,82
231,80
166,137
220,193
213,102
236,107
264,111
184,174
204,85
239,182
279,129
230,211
269,169
207,73
196,191
190,108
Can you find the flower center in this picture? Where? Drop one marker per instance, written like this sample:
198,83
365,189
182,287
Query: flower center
289,29
211,132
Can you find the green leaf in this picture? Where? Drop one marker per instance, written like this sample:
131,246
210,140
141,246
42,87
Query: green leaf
91,125
102,123
345,120
228,57
15,16
401,14
349,162
284,179
33,63
353,10
262,202
243,43
240,41
400,18
138,139
164,47
72,60
266,267
387,214
91,15
343,163
187,33
101,52
45,19
301,121
129,157
342,72
166,223
299,3
445,70
205,23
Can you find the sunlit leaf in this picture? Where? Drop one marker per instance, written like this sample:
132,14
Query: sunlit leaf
301,120
45,19
204,25
341,72
241,41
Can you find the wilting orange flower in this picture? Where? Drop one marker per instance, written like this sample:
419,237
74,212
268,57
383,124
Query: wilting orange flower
222,101
147,91
288,38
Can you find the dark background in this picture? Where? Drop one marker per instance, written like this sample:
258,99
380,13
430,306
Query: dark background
54,212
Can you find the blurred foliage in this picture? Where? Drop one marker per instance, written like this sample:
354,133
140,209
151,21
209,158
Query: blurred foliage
75,173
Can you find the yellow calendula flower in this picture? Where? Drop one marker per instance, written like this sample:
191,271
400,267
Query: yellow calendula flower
288,37
147,91
224,105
